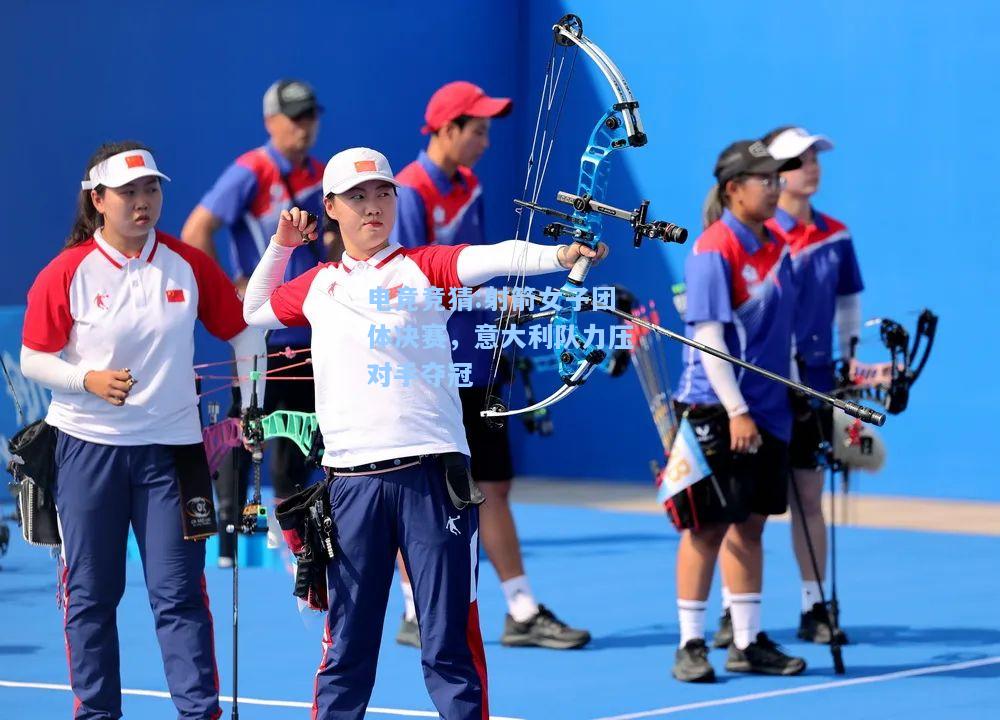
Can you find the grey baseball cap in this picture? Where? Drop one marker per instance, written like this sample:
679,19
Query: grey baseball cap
293,98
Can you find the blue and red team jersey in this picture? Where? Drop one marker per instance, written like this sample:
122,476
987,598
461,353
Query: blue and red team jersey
748,286
248,198
433,209
825,268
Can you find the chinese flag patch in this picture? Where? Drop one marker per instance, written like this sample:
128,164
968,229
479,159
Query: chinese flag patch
175,296
365,166
135,161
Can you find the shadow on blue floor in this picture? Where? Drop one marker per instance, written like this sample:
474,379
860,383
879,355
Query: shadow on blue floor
612,573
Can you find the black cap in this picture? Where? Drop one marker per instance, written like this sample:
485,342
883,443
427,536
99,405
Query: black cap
749,157
293,98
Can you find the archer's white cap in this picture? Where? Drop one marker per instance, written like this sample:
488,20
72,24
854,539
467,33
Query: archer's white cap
794,141
122,169
349,168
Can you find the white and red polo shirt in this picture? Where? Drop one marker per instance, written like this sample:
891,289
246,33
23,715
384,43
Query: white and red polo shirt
102,310
364,421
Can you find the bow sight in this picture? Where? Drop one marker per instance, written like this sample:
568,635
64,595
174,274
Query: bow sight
654,229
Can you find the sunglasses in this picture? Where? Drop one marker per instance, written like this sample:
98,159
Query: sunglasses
769,182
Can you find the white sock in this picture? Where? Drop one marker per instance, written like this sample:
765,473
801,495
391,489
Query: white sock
691,614
727,599
746,618
810,594
411,609
520,601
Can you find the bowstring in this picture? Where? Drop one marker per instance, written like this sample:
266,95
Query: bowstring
505,317
547,99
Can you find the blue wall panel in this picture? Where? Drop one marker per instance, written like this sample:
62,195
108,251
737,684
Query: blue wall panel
908,92
906,89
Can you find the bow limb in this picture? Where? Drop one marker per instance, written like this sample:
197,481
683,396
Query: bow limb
570,385
926,329
569,30
299,427
219,438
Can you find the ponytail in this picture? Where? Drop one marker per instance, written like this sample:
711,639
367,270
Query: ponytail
711,209
87,219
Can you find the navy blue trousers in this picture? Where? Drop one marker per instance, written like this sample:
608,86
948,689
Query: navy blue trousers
100,490
408,510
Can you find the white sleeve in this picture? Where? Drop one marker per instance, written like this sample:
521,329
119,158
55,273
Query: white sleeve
847,318
52,371
247,344
720,372
268,275
479,263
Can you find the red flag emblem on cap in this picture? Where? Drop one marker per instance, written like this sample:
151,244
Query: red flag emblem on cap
175,296
135,161
365,166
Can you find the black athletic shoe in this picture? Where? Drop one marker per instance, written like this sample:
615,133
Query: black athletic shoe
691,663
409,633
543,630
815,626
763,657
724,635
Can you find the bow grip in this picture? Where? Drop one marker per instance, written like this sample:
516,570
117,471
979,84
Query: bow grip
864,414
580,269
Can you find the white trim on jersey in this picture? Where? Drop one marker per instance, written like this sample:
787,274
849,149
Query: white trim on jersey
448,229
809,249
256,231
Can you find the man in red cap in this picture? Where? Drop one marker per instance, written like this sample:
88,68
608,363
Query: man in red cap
440,202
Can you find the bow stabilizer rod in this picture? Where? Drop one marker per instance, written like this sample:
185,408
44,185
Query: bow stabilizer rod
862,413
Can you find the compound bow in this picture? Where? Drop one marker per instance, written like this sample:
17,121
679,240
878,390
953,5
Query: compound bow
888,383
618,128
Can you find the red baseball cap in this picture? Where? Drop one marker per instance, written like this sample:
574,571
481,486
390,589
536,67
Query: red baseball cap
461,98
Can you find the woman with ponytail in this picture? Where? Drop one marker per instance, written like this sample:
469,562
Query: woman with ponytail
109,329
739,299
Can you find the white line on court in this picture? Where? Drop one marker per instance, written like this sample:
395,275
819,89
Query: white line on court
929,670
243,700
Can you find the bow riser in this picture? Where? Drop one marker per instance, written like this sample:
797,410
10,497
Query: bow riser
608,135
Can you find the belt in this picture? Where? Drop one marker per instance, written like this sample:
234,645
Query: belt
381,466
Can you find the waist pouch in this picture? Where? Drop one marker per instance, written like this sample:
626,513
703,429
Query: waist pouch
194,480
711,426
462,489
306,522
33,467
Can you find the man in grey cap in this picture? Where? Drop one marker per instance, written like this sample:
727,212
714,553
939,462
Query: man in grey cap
248,199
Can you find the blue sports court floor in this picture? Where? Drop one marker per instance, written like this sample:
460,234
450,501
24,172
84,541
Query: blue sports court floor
921,610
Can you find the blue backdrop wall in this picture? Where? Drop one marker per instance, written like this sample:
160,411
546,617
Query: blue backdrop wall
907,90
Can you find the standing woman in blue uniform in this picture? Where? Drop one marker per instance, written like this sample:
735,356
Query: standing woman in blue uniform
829,285
740,299
109,329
